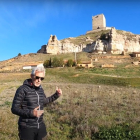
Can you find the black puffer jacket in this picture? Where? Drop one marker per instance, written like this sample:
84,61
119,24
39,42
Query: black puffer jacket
26,99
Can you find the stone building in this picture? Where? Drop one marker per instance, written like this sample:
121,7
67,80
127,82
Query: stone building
98,22
87,64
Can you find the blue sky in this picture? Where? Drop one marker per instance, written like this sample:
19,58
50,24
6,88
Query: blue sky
26,25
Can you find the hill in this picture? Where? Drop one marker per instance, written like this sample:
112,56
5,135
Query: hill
16,63
102,57
100,41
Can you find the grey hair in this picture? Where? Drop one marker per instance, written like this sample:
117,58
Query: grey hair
39,69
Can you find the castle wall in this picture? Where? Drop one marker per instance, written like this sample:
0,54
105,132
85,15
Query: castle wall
98,22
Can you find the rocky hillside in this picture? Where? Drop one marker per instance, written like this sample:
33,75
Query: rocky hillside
100,45
99,60
105,41
17,63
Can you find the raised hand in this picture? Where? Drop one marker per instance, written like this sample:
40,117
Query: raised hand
59,91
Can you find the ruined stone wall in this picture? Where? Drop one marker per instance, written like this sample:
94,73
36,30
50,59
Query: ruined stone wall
115,43
120,43
53,45
98,22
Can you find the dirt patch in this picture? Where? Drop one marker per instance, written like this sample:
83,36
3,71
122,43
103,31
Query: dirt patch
76,75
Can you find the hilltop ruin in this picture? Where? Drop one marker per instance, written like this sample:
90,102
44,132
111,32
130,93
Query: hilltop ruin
106,40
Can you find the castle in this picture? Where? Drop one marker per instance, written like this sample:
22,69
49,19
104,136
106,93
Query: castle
114,42
98,23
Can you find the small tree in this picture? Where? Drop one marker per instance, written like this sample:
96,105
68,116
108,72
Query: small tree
50,62
57,62
70,63
46,63
19,54
74,63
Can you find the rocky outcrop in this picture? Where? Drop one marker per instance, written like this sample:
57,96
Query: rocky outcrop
115,42
124,42
43,49
54,46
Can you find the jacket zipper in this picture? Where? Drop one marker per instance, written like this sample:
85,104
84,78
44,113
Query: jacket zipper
39,109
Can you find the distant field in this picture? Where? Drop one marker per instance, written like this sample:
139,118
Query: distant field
92,98
128,77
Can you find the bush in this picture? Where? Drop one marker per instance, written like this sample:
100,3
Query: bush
74,63
70,63
46,63
57,62
50,62
19,54
118,132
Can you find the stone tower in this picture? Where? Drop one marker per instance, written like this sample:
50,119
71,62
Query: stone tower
98,22
53,45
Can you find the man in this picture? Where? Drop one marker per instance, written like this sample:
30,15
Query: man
28,104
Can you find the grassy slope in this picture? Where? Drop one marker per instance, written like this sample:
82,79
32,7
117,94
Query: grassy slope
119,77
91,97
83,104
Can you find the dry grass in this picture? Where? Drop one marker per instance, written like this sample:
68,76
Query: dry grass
86,103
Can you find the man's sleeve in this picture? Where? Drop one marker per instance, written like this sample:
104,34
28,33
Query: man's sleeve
17,103
51,98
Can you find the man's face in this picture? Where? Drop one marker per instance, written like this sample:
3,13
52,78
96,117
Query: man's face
37,78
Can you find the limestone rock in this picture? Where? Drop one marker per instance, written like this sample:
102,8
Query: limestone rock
53,45
115,42
42,50
120,43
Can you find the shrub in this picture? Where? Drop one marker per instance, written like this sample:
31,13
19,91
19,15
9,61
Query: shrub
19,54
46,63
118,132
70,63
50,62
57,62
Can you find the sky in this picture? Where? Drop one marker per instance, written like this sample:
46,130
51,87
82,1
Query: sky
26,25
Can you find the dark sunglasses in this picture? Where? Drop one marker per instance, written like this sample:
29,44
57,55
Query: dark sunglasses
37,77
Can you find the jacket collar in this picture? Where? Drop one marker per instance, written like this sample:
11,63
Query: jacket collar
29,83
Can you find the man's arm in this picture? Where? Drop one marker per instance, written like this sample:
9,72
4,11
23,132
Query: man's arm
52,98
17,102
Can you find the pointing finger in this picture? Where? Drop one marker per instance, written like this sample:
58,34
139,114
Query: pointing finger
56,87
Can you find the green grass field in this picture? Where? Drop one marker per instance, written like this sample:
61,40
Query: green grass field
96,103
